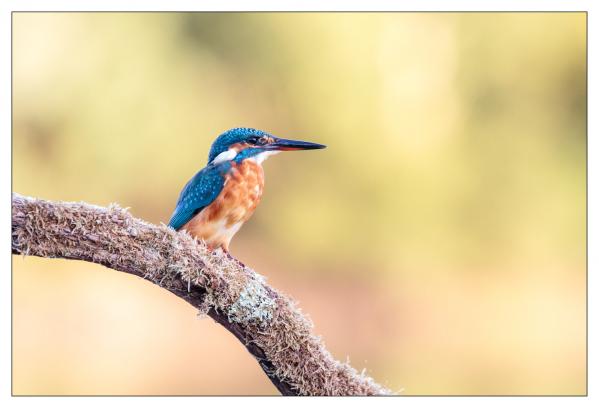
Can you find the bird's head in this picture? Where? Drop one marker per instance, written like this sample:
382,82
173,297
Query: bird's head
245,143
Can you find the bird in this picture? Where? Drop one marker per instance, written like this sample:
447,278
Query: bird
222,196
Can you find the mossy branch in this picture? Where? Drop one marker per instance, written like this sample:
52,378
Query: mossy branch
266,322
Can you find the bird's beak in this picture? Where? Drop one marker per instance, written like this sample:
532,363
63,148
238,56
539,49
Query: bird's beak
286,144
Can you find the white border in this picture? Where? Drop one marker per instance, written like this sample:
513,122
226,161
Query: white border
6,6
305,5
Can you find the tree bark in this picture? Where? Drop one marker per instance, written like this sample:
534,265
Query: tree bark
265,321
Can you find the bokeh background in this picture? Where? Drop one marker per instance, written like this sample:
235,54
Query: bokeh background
439,241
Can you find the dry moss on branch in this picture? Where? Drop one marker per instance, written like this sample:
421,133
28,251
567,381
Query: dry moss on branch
267,322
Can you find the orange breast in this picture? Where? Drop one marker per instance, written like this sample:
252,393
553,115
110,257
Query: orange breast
218,222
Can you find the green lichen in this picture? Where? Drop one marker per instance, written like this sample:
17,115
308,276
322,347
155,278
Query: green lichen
254,305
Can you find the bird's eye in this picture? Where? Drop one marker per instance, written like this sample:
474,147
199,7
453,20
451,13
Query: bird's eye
260,141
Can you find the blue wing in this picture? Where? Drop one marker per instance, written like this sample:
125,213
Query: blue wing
198,193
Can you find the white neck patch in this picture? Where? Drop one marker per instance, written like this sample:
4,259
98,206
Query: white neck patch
225,156
260,157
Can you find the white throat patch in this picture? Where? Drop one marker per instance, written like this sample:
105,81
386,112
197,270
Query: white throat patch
260,157
225,156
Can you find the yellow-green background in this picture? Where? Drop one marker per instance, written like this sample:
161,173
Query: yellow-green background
439,241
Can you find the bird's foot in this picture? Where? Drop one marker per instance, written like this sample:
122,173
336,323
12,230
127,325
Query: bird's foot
226,251
228,254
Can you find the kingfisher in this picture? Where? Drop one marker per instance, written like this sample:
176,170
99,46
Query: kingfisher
222,196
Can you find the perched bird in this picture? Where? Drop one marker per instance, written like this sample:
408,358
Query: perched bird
216,202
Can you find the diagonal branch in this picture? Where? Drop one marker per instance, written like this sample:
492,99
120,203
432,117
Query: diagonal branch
265,321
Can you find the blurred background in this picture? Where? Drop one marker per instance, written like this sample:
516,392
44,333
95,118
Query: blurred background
439,241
